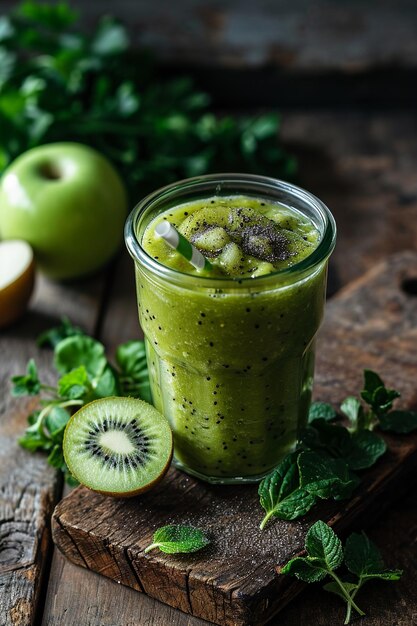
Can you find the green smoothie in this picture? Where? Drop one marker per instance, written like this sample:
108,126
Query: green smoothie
231,351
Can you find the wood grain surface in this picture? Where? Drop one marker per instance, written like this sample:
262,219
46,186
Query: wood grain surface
29,488
317,36
373,324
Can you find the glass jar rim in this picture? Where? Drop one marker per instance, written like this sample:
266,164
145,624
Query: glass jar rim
259,183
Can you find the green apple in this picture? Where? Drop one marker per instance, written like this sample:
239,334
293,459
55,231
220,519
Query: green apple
68,202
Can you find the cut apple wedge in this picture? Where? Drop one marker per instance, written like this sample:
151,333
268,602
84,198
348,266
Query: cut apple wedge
17,278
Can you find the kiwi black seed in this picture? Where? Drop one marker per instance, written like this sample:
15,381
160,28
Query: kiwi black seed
118,446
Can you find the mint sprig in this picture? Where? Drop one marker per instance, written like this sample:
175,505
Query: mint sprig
176,539
330,453
325,554
85,375
300,481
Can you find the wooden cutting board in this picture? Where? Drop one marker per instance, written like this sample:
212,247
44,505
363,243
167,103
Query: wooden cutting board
370,324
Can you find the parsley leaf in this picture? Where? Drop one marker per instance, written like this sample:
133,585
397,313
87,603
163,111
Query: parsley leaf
59,84
86,374
74,384
175,539
133,375
28,384
51,338
79,350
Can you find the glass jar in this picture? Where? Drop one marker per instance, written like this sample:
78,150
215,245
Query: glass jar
231,360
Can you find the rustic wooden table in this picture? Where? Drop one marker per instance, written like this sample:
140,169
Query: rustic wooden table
363,165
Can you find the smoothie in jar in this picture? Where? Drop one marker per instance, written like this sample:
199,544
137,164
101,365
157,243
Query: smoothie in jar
231,350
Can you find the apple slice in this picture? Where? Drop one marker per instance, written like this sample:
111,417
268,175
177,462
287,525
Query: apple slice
17,278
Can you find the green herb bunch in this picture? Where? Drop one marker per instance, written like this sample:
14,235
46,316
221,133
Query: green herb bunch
329,454
58,84
325,554
85,374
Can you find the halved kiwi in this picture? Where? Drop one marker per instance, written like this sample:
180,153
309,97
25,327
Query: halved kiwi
118,446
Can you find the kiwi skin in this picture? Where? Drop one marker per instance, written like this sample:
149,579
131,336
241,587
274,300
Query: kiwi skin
125,494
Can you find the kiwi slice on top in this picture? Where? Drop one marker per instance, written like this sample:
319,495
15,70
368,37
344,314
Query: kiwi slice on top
118,446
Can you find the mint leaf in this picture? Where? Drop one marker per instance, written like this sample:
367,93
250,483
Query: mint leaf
54,335
306,569
376,395
74,351
324,555
323,543
334,587
324,477
321,410
363,558
333,439
28,384
372,381
359,450
280,493
75,384
364,449
353,409
401,422
175,539
361,555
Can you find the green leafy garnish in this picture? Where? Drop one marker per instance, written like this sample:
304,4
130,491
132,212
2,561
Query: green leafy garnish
325,555
175,539
359,450
324,477
321,410
353,409
280,493
27,384
57,84
50,338
133,377
80,350
329,452
86,374
379,397
401,422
